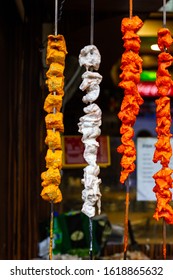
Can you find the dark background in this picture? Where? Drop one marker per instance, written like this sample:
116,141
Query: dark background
22,77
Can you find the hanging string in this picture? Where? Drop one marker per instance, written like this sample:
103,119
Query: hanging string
130,8
92,23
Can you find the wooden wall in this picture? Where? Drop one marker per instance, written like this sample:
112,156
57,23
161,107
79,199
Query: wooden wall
21,124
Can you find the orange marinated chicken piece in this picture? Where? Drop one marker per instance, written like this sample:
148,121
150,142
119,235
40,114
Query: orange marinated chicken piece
130,76
129,24
55,121
125,173
53,139
52,101
131,60
51,176
54,159
52,193
164,38
55,69
129,102
56,84
127,117
56,49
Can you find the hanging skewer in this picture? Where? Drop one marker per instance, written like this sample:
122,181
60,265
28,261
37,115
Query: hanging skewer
54,111
91,43
89,126
129,109
163,222
127,199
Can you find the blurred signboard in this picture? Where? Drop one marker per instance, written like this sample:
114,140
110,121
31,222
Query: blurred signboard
73,149
149,89
146,168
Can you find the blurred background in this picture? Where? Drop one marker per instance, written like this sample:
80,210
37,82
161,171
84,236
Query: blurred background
24,27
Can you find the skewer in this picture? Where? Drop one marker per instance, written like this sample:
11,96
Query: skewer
91,43
127,200
164,223
164,13
54,111
126,218
164,239
51,230
91,239
92,23
56,17
130,8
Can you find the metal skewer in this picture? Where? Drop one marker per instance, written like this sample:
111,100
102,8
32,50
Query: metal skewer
127,199
91,43
51,230
126,218
54,112
130,8
164,222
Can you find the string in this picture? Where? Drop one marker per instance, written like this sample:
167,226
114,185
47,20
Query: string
130,8
92,23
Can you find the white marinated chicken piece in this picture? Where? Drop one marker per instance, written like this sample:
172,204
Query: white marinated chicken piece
88,209
92,170
91,81
90,57
90,132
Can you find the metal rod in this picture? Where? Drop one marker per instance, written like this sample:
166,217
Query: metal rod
126,228
164,13
56,17
92,23
126,218
130,8
51,230
91,238
164,239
